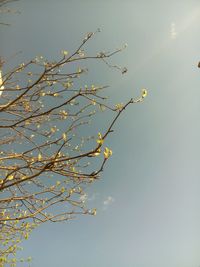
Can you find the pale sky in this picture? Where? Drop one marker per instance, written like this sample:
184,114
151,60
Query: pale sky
148,200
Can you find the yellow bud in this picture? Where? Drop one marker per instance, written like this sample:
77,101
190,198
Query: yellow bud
64,52
119,106
94,212
10,177
71,191
97,153
64,136
58,183
144,93
100,141
26,235
62,190
39,156
107,153
53,129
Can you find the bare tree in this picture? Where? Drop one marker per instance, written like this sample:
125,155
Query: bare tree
46,151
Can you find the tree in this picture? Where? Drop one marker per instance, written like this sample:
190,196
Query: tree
44,154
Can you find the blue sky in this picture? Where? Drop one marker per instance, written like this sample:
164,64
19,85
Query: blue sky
148,199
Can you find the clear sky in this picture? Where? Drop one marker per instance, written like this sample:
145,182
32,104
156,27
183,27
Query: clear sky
148,199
